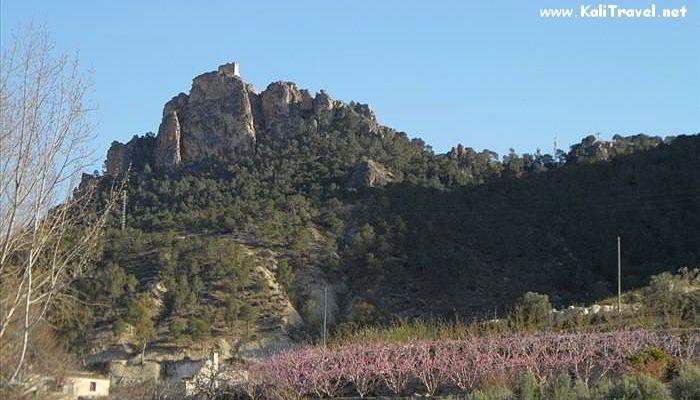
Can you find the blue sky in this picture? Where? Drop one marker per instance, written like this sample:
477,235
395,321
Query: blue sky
488,74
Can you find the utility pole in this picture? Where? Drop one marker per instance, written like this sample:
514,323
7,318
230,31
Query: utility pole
124,210
325,313
619,277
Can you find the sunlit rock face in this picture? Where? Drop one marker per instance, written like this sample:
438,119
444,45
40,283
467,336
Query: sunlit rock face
286,109
168,141
215,119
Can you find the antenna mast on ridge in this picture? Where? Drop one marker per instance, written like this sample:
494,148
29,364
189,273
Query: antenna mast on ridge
123,209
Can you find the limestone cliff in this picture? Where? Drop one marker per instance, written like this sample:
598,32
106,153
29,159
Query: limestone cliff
285,108
223,116
117,158
168,140
217,117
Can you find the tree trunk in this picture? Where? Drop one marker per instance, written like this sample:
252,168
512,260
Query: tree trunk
25,333
143,352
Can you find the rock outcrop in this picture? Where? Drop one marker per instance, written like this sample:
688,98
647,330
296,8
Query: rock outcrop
591,149
168,141
285,108
137,153
224,116
369,173
117,159
217,117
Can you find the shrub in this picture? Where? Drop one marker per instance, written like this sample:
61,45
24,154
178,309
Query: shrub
558,388
492,393
249,314
526,387
232,309
139,315
531,310
177,328
199,328
580,391
639,387
118,328
578,321
285,274
669,298
311,313
600,390
652,361
364,313
686,385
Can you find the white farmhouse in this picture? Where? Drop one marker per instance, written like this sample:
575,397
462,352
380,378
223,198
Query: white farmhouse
83,385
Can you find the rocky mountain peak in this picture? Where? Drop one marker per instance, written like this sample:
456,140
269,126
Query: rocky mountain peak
223,116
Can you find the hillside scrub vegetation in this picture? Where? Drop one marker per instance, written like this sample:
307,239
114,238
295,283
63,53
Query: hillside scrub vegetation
462,236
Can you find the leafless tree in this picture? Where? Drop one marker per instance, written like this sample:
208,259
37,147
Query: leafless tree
47,232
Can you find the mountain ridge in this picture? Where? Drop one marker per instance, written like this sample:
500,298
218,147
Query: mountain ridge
252,214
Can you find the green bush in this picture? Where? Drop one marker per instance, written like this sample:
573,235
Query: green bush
285,274
526,387
249,314
686,385
364,313
118,327
600,390
580,391
177,328
232,309
532,310
639,387
671,301
492,393
652,361
558,388
199,328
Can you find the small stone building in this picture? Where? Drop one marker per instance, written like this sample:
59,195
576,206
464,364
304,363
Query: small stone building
82,385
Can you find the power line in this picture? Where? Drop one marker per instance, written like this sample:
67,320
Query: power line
325,313
619,277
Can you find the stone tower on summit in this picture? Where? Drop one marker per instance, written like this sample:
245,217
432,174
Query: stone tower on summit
233,68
